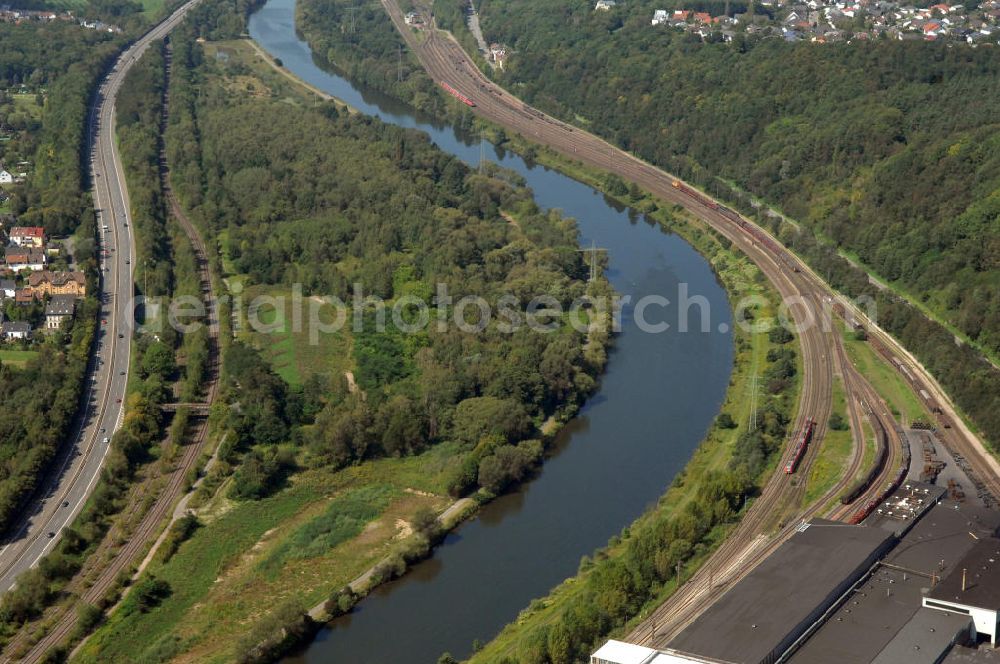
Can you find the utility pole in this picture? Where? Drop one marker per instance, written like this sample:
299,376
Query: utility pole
752,423
399,63
593,258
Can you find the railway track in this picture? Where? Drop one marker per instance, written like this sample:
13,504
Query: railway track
154,520
752,540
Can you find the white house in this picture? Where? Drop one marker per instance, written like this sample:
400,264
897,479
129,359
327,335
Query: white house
604,5
59,309
659,16
6,177
15,330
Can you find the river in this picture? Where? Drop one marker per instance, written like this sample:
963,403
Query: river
655,403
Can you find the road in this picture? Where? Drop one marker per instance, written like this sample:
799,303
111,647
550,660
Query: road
112,559
774,514
77,469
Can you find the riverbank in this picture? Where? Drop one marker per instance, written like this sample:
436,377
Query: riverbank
556,625
243,565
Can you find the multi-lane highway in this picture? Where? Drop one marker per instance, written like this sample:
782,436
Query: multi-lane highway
780,501
77,468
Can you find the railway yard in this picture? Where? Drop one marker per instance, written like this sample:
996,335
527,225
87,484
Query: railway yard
943,449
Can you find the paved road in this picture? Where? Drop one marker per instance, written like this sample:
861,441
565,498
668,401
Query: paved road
78,468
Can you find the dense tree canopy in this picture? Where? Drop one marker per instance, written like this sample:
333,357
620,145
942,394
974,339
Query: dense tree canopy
334,202
890,149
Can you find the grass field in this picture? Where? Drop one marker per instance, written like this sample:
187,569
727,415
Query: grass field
905,405
27,103
17,358
292,352
249,557
834,454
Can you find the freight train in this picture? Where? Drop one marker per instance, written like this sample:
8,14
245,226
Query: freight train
758,236
870,506
883,452
800,446
457,95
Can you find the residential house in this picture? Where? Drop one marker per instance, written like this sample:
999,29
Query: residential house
45,282
604,5
703,17
6,177
24,258
659,17
59,310
15,330
27,236
23,296
7,287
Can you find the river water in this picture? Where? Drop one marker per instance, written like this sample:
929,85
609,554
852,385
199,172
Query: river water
656,401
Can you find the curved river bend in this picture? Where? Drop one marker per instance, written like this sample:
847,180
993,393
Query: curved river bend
655,403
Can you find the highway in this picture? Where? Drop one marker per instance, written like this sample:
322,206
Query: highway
78,466
775,513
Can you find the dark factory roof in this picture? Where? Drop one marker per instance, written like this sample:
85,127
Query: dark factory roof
782,595
981,569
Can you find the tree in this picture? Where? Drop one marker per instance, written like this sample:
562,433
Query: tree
725,421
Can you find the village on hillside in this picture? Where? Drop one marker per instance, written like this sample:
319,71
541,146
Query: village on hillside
825,21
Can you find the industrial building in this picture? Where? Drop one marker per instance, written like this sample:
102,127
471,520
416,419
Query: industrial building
917,583
973,590
764,614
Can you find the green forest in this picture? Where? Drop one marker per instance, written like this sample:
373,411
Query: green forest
887,151
290,203
291,192
62,62
896,167
360,40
